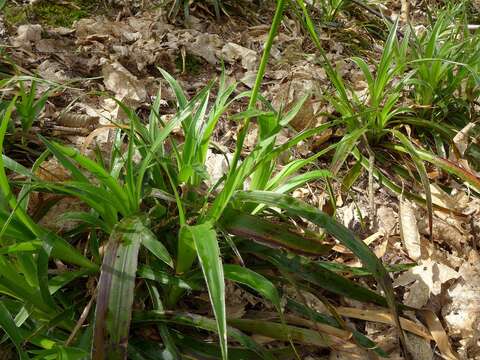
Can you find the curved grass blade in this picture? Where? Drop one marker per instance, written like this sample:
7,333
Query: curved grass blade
208,252
150,241
382,179
253,280
324,278
121,197
164,278
340,232
115,290
423,175
200,322
300,180
359,338
27,246
270,234
211,351
282,332
8,325
170,350
447,166
345,149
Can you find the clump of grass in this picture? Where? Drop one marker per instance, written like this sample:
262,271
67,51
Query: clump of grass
331,8
154,233
59,14
375,123
445,60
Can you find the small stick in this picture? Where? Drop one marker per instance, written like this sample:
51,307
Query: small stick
405,11
80,321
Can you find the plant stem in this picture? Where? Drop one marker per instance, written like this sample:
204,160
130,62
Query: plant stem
224,197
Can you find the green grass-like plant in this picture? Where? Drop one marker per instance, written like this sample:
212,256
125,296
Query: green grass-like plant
153,235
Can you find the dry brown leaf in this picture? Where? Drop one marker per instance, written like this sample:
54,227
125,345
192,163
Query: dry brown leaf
418,347
462,315
217,166
431,273
232,52
384,317
326,329
409,230
27,34
387,219
249,78
123,83
417,294
439,335
205,46
95,133
53,71
354,354
462,139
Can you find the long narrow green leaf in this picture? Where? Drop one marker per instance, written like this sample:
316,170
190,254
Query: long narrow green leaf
115,291
9,326
360,339
323,277
205,240
423,175
161,277
151,242
282,332
197,321
232,181
447,165
253,280
340,232
212,351
270,234
98,171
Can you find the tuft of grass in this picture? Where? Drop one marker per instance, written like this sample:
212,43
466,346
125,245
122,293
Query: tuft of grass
154,232
445,60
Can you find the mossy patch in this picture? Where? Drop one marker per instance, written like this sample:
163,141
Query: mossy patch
51,13
14,15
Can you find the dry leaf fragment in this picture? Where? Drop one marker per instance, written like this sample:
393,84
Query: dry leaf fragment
26,34
384,317
409,229
439,334
418,295
232,52
418,347
217,166
205,46
249,78
431,273
462,139
462,315
123,83
53,71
